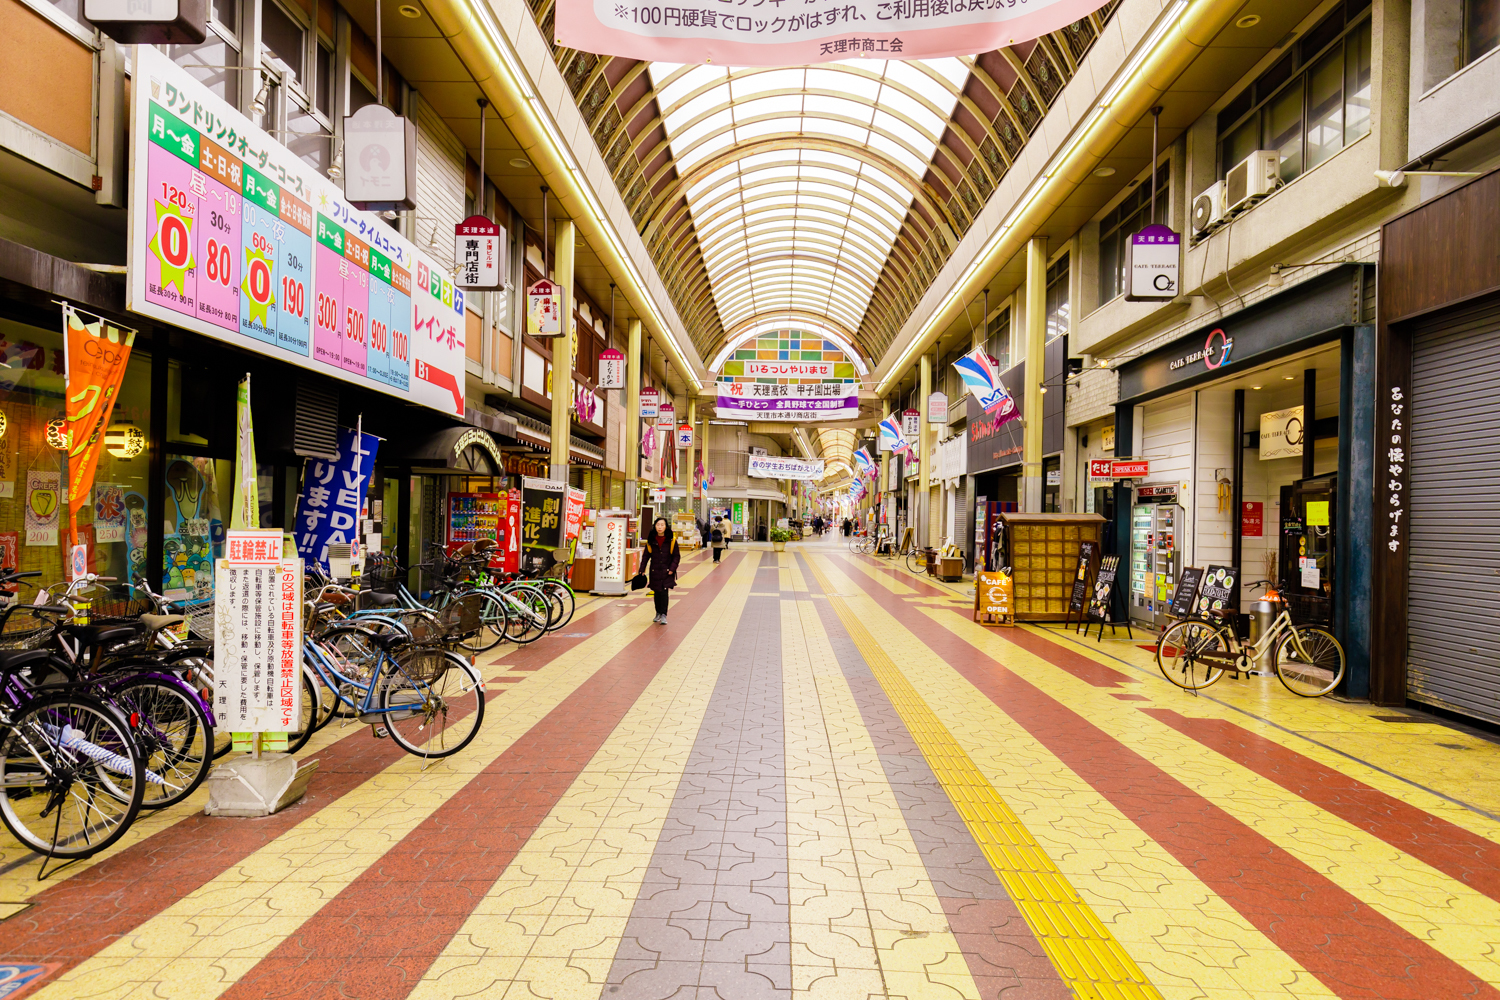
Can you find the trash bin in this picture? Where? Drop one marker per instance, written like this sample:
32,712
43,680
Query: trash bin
1262,616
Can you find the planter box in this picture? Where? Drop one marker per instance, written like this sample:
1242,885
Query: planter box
950,568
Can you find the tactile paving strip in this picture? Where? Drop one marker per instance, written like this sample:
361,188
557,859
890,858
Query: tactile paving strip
1086,955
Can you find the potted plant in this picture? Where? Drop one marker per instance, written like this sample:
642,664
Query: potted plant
779,538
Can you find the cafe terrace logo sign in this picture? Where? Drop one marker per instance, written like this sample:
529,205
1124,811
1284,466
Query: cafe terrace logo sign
1215,353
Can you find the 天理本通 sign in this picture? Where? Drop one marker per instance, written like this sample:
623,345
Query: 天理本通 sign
544,309
611,369
477,250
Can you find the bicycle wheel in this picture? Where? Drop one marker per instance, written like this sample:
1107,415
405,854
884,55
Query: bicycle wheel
563,594
1309,661
1178,648
916,562
526,615
53,758
175,733
434,703
492,625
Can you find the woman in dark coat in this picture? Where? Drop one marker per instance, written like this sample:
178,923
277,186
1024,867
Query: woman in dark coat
661,561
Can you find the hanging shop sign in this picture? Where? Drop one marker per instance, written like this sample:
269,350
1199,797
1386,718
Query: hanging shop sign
542,520
685,436
776,467
790,369
666,415
150,22
333,491
1282,433
911,425
1130,468
478,251
611,369
842,407
258,637
1156,494
233,236
937,408
1151,261
650,400
544,309
380,160
870,29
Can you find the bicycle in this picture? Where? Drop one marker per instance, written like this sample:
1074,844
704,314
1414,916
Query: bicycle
1194,652
422,692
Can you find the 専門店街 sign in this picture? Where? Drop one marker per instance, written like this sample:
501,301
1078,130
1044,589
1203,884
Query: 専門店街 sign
233,236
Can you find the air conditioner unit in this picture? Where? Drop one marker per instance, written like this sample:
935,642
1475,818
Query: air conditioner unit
1253,177
1208,208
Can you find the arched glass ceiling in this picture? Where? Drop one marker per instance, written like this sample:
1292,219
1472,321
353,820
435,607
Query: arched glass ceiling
784,229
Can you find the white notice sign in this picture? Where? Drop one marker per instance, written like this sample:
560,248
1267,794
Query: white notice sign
258,646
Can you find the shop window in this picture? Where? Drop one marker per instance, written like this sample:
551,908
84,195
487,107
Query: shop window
190,403
208,62
284,37
1130,216
193,534
1481,28
1312,103
34,515
1057,298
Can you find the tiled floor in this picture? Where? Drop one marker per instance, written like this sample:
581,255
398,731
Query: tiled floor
821,779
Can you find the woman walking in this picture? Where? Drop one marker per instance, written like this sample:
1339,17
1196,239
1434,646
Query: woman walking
662,558
719,537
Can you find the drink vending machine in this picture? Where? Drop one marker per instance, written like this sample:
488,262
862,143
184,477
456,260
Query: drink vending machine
1156,525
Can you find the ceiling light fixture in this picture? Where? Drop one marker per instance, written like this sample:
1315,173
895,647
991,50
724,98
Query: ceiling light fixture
409,10
1255,387
1104,172
1289,378
1248,21
520,162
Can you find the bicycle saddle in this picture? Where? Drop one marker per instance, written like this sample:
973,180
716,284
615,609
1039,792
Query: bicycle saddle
375,599
13,660
155,623
98,635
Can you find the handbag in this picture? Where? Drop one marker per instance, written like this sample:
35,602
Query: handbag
638,581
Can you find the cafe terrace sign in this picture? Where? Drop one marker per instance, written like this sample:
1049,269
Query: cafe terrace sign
1215,353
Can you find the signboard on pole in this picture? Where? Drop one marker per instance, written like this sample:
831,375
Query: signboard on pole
911,424
685,436
611,369
937,408
258,637
542,521
478,251
380,160
544,309
666,415
240,240
1151,261
775,467
649,400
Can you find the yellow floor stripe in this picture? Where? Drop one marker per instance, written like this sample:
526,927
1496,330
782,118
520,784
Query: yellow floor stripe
1082,949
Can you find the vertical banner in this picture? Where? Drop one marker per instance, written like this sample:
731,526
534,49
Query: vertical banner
97,353
511,561
246,513
332,491
43,500
542,515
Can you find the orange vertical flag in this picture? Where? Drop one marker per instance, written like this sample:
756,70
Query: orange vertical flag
97,353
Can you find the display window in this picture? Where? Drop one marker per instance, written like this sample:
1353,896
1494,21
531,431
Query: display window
34,525
193,530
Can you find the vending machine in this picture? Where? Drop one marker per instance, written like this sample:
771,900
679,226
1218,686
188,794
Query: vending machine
1156,526
475,516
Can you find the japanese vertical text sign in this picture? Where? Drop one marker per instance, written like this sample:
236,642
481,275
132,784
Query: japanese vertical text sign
542,522
257,636
233,236
476,249
332,490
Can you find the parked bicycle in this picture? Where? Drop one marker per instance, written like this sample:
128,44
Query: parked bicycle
1195,652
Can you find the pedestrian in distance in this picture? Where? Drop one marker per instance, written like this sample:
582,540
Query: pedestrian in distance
719,538
662,557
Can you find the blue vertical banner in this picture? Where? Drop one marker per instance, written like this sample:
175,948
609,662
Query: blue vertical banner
332,492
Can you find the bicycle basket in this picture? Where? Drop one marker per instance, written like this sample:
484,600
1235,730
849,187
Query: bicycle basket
423,664
26,627
200,618
423,628
464,616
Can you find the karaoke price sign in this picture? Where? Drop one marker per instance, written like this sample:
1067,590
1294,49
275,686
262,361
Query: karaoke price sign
235,237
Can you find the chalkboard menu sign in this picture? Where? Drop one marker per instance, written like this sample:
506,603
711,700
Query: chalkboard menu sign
1104,585
1218,590
1187,589
1088,554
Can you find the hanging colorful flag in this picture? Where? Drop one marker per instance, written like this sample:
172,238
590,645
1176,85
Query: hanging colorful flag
891,438
97,353
981,373
864,460
246,512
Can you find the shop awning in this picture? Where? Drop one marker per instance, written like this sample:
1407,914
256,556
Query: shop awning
461,449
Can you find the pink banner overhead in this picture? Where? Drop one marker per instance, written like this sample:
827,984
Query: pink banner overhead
796,32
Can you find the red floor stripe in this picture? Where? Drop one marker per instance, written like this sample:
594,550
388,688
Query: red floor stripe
73,920
377,937
915,582
1449,848
1351,948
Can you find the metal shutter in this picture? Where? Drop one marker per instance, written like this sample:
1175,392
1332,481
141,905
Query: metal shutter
1453,503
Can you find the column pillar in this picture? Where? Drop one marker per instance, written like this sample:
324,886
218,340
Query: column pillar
1036,365
924,453
562,353
692,452
632,458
